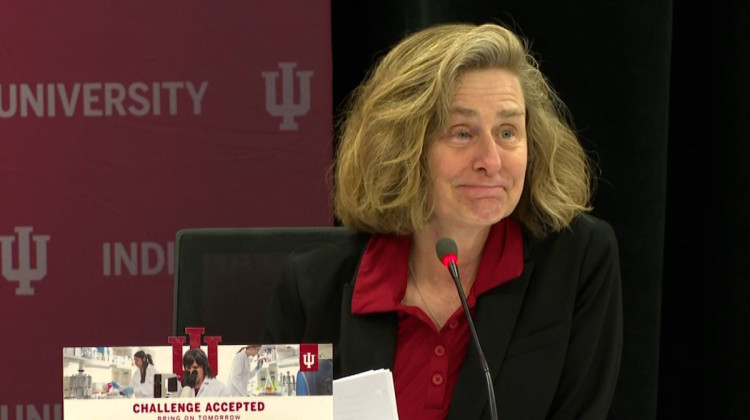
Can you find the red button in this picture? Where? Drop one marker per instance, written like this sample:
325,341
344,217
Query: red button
453,324
439,350
437,379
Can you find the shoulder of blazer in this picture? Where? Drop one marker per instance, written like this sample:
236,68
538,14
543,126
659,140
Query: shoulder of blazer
336,261
584,231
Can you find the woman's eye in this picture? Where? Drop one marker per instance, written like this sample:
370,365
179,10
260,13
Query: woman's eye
506,133
462,134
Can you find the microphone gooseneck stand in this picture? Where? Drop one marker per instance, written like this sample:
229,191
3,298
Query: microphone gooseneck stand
447,251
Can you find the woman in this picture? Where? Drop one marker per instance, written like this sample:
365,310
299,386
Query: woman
143,378
242,370
457,134
204,384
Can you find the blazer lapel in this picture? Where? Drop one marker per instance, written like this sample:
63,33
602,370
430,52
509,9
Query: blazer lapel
495,319
367,341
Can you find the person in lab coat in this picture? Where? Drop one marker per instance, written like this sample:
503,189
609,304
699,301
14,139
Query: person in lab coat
206,385
243,370
143,378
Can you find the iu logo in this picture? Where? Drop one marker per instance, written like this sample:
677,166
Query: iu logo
308,354
287,109
195,333
24,274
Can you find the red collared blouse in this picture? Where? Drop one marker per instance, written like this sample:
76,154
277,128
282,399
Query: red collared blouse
427,361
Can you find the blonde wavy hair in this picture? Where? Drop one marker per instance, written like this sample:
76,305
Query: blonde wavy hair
381,173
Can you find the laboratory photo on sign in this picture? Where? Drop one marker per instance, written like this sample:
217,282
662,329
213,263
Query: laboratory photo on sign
275,370
114,372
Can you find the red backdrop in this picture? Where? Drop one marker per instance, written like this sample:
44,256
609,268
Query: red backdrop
121,123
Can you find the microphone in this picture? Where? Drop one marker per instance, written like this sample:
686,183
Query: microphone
447,252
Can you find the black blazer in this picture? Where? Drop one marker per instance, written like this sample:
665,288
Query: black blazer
552,337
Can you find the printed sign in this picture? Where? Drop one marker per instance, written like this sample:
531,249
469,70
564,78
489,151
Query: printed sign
255,382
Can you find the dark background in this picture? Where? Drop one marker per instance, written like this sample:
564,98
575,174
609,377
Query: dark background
658,95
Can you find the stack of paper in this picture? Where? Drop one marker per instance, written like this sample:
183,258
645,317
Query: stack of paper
365,396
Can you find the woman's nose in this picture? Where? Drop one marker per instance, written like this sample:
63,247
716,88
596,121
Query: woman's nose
487,154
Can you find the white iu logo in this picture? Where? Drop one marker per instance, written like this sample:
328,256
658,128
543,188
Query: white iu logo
24,274
287,108
308,359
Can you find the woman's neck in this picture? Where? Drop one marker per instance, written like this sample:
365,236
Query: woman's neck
470,243
198,385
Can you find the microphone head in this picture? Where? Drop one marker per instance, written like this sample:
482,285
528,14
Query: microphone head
447,251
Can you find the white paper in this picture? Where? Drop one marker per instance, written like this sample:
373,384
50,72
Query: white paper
365,396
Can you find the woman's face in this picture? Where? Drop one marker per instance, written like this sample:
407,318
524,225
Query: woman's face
138,361
200,373
478,163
